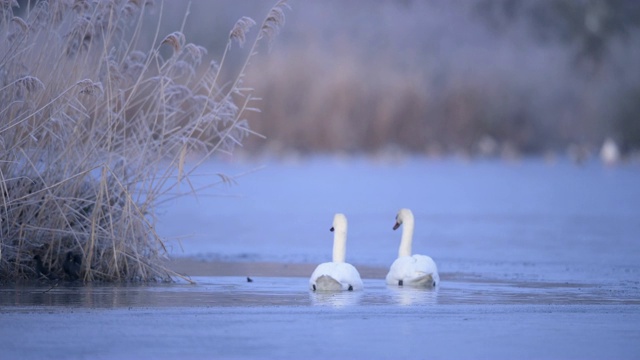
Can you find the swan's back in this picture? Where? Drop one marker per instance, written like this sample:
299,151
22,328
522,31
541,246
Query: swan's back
416,270
331,276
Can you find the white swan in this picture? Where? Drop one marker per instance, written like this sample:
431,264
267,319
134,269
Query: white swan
336,275
411,270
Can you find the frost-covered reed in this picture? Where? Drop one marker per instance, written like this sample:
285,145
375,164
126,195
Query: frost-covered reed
97,126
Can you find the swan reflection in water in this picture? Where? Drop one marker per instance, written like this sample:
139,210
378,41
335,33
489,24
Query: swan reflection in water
335,298
413,295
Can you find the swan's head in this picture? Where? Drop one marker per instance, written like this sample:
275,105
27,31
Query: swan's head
403,215
339,223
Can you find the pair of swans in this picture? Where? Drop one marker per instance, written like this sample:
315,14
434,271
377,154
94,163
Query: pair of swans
407,270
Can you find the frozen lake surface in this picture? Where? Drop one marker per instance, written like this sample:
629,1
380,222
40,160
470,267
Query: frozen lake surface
537,260
445,332
228,317
530,219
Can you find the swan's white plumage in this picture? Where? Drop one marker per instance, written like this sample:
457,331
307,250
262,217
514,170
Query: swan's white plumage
415,270
332,276
336,275
407,269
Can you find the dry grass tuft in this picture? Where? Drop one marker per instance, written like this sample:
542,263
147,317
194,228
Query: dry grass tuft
96,131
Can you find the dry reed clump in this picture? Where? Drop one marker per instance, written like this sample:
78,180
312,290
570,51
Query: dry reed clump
96,130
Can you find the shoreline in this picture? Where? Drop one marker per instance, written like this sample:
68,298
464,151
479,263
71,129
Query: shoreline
188,266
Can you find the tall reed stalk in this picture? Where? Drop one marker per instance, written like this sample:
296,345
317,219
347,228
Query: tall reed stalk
96,129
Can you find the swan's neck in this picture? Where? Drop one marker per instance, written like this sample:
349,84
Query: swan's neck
407,238
339,245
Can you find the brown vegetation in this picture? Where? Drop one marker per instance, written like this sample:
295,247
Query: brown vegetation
442,77
97,127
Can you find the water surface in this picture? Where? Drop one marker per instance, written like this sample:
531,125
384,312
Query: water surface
537,260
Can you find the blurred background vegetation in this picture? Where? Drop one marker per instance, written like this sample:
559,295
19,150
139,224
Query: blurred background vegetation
493,77
486,77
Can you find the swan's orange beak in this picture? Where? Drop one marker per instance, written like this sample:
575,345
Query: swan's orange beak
331,229
397,225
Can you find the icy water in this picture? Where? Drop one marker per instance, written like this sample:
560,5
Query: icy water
537,260
276,317
526,221
528,211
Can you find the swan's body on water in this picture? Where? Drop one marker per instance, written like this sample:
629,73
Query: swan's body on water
336,275
411,270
